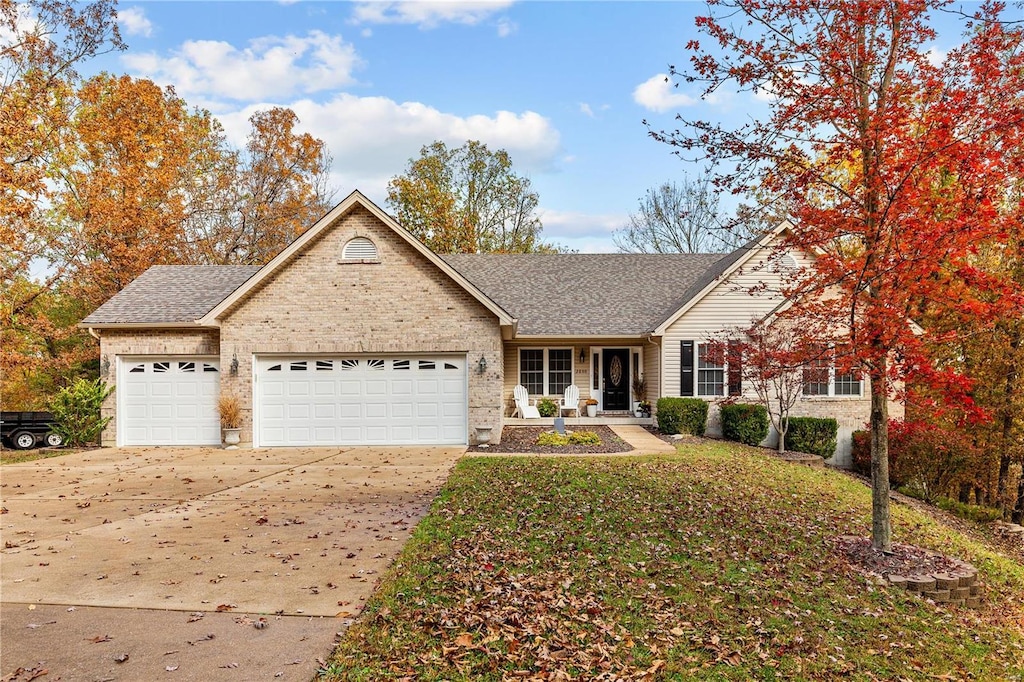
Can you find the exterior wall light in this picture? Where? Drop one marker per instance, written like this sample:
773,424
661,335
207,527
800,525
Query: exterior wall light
234,365
105,366
583,354
481,366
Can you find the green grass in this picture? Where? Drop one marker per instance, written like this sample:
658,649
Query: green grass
717,563
21,456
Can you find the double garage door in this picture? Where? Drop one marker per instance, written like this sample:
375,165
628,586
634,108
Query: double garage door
361,400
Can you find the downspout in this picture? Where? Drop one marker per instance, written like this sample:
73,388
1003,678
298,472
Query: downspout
93,334
661,360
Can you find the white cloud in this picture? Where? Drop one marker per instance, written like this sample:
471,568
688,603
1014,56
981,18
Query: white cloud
585,232
506,27
588,110
658,94
428,13
372,138
134,22
270,67
936,56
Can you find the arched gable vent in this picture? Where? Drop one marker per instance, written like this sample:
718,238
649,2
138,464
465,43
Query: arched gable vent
360,249
785,263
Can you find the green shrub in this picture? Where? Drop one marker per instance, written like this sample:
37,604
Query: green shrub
547,407
744,423
815,436
76,411
682,415
971,512
584,438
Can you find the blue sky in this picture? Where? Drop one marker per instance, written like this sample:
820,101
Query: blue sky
562,86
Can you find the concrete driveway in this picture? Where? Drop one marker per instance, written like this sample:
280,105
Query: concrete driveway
172,556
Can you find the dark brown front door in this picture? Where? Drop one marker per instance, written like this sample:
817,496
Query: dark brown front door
616,378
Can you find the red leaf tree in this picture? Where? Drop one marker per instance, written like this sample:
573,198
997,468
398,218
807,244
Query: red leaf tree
893,167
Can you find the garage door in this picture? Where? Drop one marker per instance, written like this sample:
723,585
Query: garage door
168,401
361,400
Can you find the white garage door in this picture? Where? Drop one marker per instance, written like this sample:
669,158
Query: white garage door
361,400
168,401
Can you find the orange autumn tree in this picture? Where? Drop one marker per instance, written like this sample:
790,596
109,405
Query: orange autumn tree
894,168
250,204
124,176
42,44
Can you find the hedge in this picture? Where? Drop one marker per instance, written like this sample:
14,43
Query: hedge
682,415
744,423
814,435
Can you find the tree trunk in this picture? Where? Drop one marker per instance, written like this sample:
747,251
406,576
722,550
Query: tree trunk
1004,475
881,528
1018,509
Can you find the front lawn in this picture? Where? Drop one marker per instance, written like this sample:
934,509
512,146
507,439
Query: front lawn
717,563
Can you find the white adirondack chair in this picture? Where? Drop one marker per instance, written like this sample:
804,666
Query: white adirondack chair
570,401
523,407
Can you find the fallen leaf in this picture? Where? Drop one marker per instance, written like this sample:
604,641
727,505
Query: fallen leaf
225,607
465,640
171,668
120,658
99,638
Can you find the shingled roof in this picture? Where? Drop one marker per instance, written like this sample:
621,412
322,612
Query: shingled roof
590,294
171,294
550,294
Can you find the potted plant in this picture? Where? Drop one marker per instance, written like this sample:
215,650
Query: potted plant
547,407
639,393
230,419
643,408
591,407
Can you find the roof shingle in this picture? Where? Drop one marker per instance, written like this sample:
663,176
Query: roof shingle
590,294
171,294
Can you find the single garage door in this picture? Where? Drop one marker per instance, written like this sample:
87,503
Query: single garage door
169,401
364,400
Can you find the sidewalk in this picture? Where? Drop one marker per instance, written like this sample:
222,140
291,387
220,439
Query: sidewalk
642,440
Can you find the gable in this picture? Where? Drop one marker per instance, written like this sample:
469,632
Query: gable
748,266
355,212
319,291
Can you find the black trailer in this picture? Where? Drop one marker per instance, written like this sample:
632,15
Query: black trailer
24,430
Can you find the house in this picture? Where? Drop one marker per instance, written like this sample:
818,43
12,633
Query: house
357,333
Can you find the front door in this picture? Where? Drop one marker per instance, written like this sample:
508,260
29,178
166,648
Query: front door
616,378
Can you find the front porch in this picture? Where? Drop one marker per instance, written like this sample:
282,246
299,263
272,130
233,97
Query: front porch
599,420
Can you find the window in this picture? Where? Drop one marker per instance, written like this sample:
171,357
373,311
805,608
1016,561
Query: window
360,249
545,371
822,378
710,372
816,373
531,370
324,365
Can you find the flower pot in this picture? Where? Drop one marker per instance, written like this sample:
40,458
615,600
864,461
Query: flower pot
232,438
483,435
591,410
638,413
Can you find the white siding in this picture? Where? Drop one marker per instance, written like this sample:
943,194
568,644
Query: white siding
730,306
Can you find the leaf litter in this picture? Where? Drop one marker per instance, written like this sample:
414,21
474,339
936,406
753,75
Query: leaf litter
717,565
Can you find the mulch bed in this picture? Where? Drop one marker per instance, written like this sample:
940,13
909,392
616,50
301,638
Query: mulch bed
904,560
524,439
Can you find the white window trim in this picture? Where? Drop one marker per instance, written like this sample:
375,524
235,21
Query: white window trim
547,366
697,369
